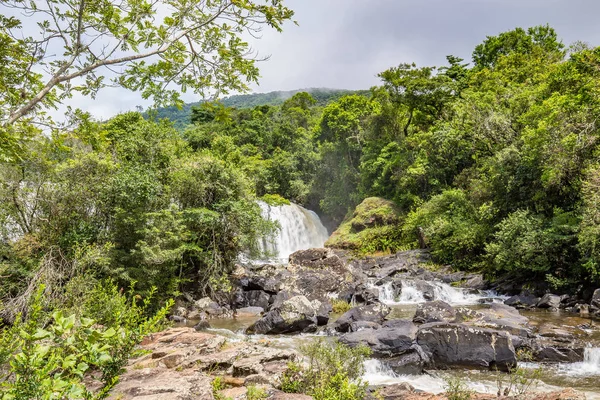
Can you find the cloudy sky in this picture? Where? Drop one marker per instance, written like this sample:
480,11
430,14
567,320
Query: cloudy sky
345,43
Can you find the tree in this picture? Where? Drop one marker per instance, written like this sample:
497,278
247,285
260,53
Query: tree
417,89
157,47
518,40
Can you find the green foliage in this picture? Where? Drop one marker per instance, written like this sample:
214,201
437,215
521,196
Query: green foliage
275,200
451,226
456,389
373,227
256,393
332,372
340,306
47,356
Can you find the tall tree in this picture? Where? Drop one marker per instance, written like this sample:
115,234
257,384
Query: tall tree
158,47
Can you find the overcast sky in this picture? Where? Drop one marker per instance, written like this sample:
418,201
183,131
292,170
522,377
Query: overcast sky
345,43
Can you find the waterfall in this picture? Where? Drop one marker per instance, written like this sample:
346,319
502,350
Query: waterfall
589,366
300,229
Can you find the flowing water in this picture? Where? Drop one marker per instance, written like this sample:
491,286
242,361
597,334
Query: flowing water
300,229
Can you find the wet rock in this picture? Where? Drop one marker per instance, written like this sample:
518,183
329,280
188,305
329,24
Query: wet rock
434,311
295,315
384,342
249,311
557,354
426,288
211,308
410,363
522,301
459,345
202,325
371,313
596,299
549,301
475,281
177,319
366,295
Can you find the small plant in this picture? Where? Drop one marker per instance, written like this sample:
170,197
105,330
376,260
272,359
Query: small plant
275,200
217,384
340,306
256,393
332,372
456,389
518,381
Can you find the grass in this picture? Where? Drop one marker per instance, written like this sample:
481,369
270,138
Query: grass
340,306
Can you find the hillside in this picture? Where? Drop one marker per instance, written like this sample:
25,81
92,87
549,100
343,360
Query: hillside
181,117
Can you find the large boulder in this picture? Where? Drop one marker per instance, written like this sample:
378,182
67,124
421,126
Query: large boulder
316,258
371,313
434,311
596,298
549,301
522,301
384,342
459,345
496,316
295,315
425,288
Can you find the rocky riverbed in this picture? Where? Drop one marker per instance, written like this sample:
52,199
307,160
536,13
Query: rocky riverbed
422,322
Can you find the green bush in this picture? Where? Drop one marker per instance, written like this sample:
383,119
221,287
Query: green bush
52,356
456,389
530,245
340,306
332,372
450,225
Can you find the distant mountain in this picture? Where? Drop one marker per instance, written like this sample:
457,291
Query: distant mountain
181,118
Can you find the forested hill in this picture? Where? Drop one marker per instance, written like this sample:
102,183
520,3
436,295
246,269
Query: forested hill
323,96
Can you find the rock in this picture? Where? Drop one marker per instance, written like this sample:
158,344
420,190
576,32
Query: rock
257,298
372,313
522,301
384,342
409,363
549,301
323,308
278,395
202,325
556,355
596,299
360,325
282,296
426,288
159,384
449,345
235,393
249,311
177,319
398,391
295,315
496,316
434,311
474,282
316,258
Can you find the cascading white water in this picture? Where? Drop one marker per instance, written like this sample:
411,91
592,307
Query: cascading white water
589,366
411,294
300,229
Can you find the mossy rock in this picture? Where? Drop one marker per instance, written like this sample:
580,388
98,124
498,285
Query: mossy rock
373,227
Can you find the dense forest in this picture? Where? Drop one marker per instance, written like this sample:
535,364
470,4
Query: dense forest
180,115
493,165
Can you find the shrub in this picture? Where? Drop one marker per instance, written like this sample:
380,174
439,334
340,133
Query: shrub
451,226
256,393
332,372
50,355
456,389
341,306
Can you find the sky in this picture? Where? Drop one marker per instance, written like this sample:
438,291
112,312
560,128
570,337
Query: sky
344,44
